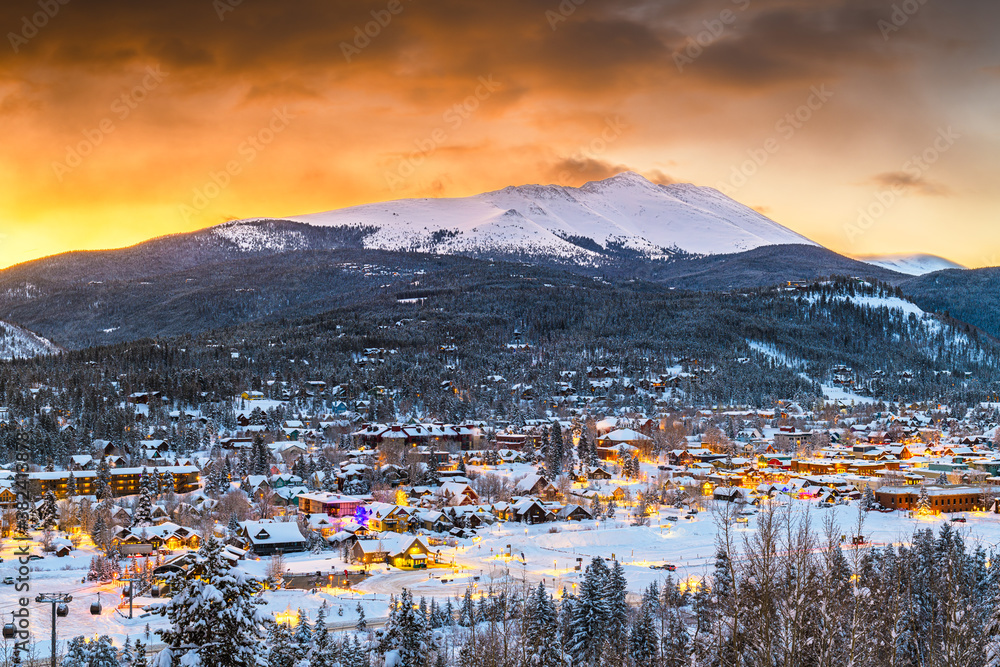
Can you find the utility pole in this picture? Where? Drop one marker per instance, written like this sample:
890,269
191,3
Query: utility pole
55,600
131,592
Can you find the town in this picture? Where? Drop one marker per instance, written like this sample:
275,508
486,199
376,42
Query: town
336,511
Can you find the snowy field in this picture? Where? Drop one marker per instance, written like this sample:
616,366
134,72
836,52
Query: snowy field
544,552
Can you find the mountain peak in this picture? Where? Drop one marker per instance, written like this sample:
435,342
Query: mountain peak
915,264
581,225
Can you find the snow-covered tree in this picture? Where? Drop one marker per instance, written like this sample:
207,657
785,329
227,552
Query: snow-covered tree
541,631
591,616
406,642
214,616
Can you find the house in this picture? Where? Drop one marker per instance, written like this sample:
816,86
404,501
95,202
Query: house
529,510
268,537
369,552
386,517
410,553
333,504
434,521
610,447
458,493
536,485
574,513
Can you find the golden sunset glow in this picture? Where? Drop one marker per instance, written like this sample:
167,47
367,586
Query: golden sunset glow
866,128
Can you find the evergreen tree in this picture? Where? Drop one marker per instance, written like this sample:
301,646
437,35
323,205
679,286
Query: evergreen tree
322,649
362,625
617,630
867,501
303,636
142,513
406,640
47,512
282,649
214,590
541,635
71,486
591,616
643,640
102,485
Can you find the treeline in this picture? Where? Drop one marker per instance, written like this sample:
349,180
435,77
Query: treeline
441,358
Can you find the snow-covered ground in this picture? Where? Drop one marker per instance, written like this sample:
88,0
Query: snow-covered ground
544,552
19,343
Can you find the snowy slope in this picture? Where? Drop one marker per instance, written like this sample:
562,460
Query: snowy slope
579,224
913,265
18,343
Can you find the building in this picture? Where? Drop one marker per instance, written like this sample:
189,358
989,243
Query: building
940,498
334,504
792,440
124,481
269,537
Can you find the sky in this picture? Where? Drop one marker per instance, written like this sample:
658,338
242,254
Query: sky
869,126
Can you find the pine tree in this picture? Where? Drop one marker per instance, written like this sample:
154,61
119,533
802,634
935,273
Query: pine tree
406,638
102,485
47,512
142,513
467,612
541,636
643,640
322,655
213,590
303,636
615,592
556,449
432,476
361,625
867,501
923,501
71,486
283,651
591,615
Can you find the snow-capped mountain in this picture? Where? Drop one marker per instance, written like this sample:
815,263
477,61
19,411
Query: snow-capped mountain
913,265
622,213
19,343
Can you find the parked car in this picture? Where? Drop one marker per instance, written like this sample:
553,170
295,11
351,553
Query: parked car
9,581
673,518
958,519
669,567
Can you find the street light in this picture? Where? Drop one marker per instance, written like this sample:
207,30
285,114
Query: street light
57,599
